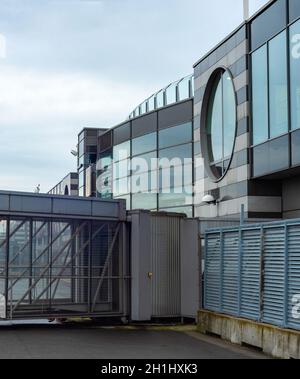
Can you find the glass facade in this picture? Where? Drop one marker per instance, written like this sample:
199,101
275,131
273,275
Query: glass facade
145,179
144,144
175,136
275,88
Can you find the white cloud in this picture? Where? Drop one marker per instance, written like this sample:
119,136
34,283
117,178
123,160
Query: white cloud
41,114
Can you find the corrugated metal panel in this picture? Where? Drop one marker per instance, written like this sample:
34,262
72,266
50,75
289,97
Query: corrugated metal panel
250,278
230,273
253,271
166,296
293,273
212,286
274,270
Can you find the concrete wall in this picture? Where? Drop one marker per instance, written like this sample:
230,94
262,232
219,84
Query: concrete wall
277,342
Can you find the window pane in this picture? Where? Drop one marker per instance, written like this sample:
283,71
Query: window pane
271,156
295,77
176,135
229,114
181,152
278,86
121,186
184,89
144,201
105,161
121,151
143,182
177,197
268,23
121,169
143,144
260,95
295,148
160,101
171,93
175,176
147,158
81,148
214,127
294,9
144,107
137,111
151,103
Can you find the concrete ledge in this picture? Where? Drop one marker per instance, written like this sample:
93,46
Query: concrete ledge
275,341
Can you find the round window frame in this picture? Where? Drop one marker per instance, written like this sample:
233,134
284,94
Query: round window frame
203,129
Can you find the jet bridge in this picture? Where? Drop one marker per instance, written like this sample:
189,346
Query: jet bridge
62,257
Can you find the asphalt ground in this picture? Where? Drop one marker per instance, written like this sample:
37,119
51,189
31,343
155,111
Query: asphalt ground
79,341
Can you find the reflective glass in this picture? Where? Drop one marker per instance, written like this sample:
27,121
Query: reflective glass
171,94
268,23
121,186
294,9
271,156
160,99
175,135
144,107
175,176
143,182
181,152
144,201
229,114
278,85
143,144
121,169
260,95
81,148
177,197
137,112
184,89
105,161
295,77
295,148
147,162
215,122
121,151
151,103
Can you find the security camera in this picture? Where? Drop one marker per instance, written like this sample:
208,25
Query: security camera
209,199
74,152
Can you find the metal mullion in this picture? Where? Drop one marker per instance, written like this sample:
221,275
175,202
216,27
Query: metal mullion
289,106
30,257
7,264
268,90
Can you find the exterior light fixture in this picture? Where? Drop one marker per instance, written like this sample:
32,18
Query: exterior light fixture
209,199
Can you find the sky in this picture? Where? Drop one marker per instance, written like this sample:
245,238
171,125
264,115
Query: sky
69,64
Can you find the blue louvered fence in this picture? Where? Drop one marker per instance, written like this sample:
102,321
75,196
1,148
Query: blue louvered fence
253,271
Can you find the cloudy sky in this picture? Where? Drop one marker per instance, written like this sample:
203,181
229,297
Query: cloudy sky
75,63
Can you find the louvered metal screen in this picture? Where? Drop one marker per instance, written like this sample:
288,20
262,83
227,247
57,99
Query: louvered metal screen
253,271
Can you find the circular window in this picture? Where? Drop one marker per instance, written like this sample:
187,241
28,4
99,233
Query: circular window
219,123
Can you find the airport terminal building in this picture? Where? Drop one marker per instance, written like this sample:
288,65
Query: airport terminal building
234,123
